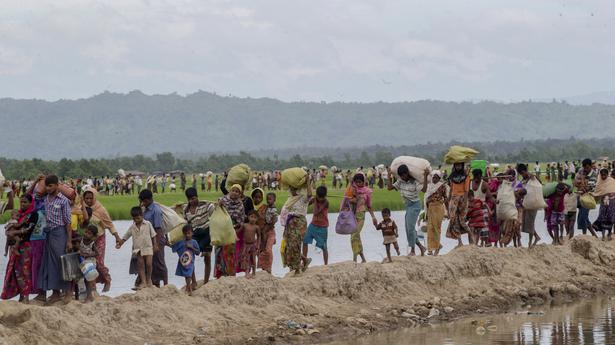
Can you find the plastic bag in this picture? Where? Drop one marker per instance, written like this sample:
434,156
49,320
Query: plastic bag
240,174
170,219
295,178
459,154
283,252
416,166
221,227
346,221
89,271
506,208
176,234
533,199
587,201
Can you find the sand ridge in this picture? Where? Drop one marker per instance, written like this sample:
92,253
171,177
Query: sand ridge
337,300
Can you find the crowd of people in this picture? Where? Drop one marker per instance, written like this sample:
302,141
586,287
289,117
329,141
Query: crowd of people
487,206
128,183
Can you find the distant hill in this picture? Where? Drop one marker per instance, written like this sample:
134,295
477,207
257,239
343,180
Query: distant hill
605,97
111,124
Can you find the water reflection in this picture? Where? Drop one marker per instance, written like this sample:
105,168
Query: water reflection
587,322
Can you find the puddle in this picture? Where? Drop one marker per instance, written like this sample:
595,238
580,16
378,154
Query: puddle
586,322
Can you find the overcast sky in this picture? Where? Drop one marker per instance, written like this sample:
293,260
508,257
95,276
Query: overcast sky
350,50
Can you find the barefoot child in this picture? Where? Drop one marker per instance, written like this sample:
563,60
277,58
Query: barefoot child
187,250
250,239
317,231
478,220
144,245
554,214
570,204
389,233
267,235
88,253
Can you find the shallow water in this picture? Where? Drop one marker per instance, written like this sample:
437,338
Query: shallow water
339,250
585,322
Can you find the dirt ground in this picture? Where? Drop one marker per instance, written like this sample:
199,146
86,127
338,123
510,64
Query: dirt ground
325,303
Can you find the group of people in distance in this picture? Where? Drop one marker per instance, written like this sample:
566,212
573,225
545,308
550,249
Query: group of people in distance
48,225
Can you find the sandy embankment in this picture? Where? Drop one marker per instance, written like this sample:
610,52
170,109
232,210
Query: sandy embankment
342,299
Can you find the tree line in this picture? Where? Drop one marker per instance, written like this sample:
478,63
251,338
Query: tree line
499,151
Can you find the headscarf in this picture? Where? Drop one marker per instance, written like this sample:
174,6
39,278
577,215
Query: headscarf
433,187
263,201
27,212
604,187
458,176
235,208
238,186
99,211
354,190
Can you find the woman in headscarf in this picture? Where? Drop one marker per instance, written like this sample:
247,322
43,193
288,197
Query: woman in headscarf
359,196
605,192
293,218
197,214
226,261
435,198
95,213
18,277
458,203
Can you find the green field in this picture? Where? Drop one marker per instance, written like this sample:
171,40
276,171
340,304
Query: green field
119,205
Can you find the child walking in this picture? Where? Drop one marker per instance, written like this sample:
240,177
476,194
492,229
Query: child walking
250,244
88,253
389,233
318,229
187,250
554,214
144,245
267,235
570,203
478,220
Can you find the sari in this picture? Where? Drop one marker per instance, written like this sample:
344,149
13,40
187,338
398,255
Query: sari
226,257
101,218
295,224
458,205
435,216
363,196
18,277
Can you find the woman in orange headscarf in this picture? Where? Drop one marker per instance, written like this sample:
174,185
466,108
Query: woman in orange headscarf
95,213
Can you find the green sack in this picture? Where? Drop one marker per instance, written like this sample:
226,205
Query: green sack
459,154
479,164
295,178
587,201
549,188
239,174
221,228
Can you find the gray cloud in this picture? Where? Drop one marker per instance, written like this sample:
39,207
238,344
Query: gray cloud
353,50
